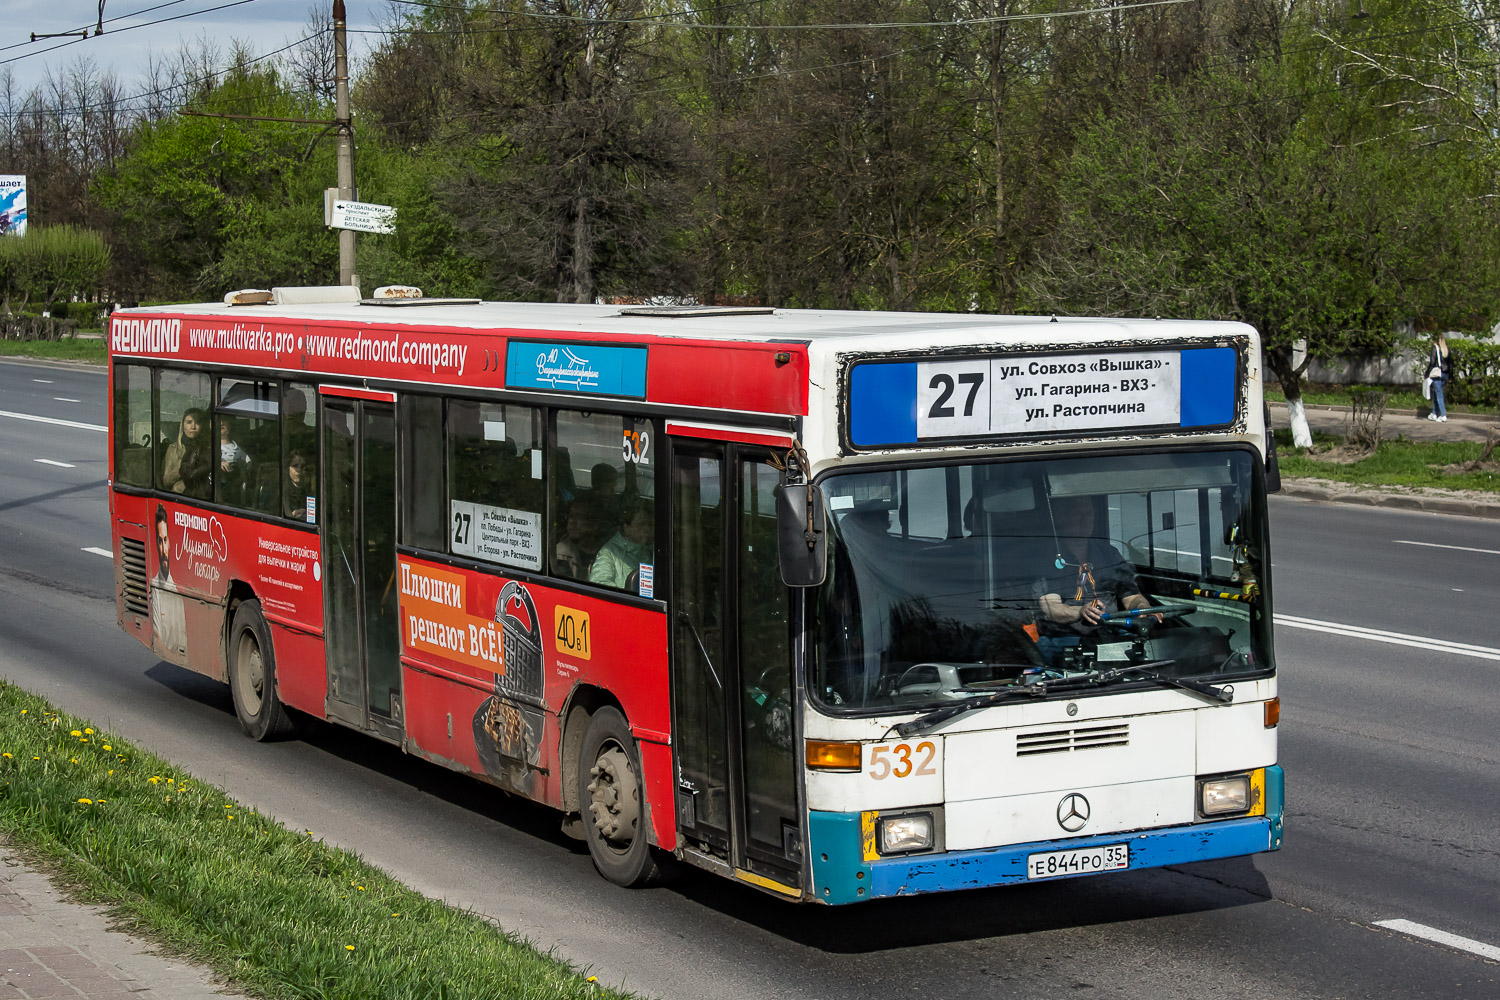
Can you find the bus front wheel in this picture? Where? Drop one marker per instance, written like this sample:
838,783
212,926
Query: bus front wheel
612,802
252,676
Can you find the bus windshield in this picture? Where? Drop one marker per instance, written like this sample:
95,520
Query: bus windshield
948,581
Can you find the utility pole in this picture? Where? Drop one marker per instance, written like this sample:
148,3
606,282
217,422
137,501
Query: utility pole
346,140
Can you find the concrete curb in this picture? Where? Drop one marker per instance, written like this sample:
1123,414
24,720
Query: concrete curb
1309,489
1335,408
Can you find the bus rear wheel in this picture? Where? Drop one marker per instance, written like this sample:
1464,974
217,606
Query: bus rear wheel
612,801
252,676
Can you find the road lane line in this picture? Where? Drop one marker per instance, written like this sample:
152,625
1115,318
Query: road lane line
66,399
60,465
1395,638
53,420
1479,948
44,381
106,553
1437,545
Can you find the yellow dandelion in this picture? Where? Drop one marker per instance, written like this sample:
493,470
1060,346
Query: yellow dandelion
593,979
360,888
108,747
231,815
395,914
85,802
24,711
169,798
154,779
5,755
102,801
75,733
348,947
169,781
88,730
83,741
72,760
36,758
111,770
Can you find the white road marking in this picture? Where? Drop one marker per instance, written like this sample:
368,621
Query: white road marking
1435,545
60,465
1479,948
44,381
66,399
106,553
1395,638
53,420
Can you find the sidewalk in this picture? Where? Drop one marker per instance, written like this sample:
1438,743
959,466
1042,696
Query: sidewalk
1395,424
53,948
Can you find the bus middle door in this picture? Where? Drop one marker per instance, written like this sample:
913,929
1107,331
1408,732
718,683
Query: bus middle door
362,638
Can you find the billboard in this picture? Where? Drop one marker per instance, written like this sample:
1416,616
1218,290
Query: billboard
13,204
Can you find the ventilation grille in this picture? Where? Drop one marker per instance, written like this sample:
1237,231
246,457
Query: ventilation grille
1077,738
133,561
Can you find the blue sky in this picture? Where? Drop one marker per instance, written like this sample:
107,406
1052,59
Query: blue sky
262,24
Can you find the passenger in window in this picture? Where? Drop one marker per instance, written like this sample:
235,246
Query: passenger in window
1089,577
583,534
231,455
297,485
188,461
631,547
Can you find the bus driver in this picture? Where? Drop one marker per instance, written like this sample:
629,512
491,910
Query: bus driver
1089,577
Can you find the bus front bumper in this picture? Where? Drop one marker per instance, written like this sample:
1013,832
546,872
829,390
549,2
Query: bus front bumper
842,874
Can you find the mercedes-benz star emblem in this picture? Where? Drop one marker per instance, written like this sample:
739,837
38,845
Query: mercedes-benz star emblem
1073,812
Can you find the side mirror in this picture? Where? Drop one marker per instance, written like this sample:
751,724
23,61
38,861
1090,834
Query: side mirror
1273,470
801,523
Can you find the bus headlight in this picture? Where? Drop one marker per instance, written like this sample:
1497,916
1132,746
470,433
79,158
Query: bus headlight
1223,796
906,833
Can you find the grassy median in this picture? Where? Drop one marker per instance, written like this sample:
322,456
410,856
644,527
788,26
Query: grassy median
1449,465
72,349
272,911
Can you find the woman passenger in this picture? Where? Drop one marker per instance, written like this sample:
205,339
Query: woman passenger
189,460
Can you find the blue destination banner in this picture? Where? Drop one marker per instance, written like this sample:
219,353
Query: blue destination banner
917,402
596,369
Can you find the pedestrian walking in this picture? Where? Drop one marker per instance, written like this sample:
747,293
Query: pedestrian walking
1439,369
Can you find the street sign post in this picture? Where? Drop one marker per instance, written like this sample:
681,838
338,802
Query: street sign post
363,217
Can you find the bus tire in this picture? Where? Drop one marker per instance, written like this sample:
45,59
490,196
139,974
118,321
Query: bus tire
252,676
612,802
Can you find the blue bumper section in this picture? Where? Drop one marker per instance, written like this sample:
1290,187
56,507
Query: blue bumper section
841,875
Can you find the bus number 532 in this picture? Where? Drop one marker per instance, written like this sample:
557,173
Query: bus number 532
902,760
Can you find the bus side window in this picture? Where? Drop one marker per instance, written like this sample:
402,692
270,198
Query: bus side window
299,449
423,494
247,445
607,462
494,478
187,458
133,439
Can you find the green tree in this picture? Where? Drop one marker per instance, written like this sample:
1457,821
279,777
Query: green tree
1236,195
52,263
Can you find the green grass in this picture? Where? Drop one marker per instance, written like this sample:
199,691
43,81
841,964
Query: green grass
1404,398
1395,463
274,912
72,349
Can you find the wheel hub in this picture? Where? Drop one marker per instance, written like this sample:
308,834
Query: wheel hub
613,798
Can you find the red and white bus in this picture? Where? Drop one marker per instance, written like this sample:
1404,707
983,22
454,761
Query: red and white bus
841,605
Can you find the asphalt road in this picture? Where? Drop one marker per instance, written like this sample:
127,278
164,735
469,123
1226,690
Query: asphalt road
1389,744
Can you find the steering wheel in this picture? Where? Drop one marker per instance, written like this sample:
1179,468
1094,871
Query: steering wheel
1130,616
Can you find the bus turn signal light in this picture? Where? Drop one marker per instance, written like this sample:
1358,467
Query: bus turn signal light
823,755
1273,712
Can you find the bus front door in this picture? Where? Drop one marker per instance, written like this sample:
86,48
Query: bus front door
733,723
362,639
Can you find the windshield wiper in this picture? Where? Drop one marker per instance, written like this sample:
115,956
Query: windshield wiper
947,712
1141,671
1145,672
